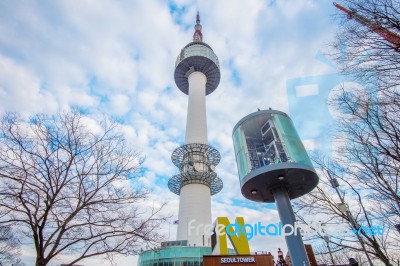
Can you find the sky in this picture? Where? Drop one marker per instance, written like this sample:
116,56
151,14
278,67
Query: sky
117,58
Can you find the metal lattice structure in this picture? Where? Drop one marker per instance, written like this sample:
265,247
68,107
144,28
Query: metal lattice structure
209,179
196,163
183,154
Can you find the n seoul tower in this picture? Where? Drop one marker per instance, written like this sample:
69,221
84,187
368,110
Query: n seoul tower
197,74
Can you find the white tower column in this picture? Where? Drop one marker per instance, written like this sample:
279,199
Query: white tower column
196,123
194,210
195,201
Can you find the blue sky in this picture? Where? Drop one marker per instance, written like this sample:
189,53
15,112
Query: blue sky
117,58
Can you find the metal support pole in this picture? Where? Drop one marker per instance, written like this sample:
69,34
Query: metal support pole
294,241
326,238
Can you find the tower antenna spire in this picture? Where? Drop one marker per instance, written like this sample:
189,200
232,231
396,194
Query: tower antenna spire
197,36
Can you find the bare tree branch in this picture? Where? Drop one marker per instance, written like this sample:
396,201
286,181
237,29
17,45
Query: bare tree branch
71,188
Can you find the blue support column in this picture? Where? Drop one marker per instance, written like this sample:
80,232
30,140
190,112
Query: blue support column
294,242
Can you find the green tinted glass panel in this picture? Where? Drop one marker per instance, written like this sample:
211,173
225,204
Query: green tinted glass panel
242,160
265,140
174,256
293,144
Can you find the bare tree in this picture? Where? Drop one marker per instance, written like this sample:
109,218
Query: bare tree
368,42
368,167
72,190
369,162
340,257
324,205
368,173
372,151
9,247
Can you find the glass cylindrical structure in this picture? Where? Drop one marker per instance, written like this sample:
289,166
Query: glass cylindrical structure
270,154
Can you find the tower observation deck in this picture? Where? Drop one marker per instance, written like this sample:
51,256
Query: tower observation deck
197,74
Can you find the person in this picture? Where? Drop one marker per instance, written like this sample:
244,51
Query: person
280,261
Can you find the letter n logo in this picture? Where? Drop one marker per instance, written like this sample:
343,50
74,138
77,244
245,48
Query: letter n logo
237,238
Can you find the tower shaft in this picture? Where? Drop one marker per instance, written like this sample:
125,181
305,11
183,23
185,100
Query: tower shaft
195,199
196,123
194,214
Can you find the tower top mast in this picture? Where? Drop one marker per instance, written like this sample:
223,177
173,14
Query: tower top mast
197,56
197,35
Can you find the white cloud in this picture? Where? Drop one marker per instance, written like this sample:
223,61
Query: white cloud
119,104
20,89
